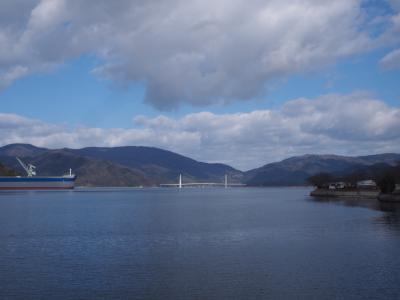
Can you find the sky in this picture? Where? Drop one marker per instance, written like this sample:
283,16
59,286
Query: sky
232,81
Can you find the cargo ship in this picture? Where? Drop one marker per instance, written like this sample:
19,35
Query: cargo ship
33,182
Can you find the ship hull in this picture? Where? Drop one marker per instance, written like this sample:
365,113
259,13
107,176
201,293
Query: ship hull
37,183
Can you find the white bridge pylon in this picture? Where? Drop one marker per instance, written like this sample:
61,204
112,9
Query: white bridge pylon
180,184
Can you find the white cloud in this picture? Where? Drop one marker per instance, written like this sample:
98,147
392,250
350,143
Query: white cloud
353,124
196,52
391,60
392,37
11,75
395,4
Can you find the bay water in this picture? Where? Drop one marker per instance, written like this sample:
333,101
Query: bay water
196,243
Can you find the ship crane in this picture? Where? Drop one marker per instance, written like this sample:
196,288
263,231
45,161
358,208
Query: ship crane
29,169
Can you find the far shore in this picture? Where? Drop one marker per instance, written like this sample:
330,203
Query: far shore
353,193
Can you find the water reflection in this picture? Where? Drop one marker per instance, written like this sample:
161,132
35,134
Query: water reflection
348,201
391,211
391,217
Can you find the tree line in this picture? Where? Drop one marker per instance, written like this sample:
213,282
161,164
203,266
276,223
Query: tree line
4,171
385,176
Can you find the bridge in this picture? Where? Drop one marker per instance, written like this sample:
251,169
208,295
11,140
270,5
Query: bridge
180,184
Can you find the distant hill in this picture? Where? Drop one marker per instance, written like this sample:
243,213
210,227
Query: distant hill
22,150
161,164
296,170
119,166
148,166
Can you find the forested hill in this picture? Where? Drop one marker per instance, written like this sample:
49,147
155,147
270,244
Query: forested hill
117,166
297,170
148,166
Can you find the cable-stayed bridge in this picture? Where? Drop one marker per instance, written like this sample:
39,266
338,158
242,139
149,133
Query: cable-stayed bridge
180,184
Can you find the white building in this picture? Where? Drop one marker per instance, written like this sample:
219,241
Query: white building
337,185
366,184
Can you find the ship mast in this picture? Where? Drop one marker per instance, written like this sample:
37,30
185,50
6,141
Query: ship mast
29,169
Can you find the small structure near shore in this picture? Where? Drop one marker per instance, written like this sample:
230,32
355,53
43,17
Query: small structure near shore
337,185
362,189
367,184
379,182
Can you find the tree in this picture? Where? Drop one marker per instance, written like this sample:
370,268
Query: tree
388,179
387,183
355,177
321,180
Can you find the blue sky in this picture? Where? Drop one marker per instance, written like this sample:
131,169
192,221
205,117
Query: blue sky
206,79
72,95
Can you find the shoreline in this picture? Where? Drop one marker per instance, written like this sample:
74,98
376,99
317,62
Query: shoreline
345,193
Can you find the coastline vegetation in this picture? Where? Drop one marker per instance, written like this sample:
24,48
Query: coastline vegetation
386,178
4,171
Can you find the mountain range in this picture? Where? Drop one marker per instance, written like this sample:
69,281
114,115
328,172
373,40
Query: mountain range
148,166
118,166
296,170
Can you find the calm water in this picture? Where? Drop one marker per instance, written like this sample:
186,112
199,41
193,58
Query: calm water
196,244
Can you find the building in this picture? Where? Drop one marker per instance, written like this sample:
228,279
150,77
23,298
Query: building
337,185
366,184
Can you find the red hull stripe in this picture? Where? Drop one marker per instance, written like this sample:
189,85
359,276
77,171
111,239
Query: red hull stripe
35,188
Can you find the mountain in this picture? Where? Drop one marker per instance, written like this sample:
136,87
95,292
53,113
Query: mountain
161,165
119,166
296,170
148,166
22,150
90,172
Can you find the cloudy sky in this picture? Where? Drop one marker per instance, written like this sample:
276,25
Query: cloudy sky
244,82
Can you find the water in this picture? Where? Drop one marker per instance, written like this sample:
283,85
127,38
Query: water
196,244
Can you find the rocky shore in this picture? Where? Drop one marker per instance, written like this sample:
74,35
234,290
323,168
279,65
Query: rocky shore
393,197
353,193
